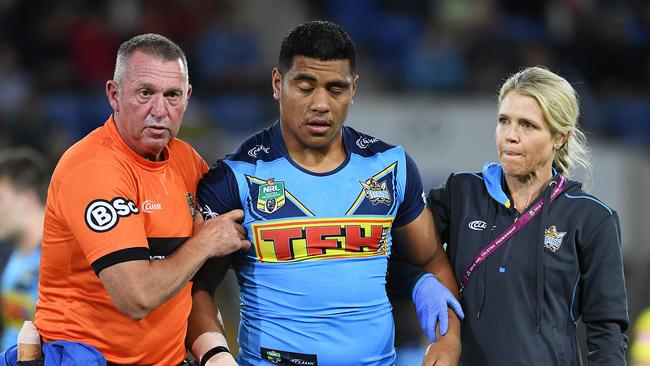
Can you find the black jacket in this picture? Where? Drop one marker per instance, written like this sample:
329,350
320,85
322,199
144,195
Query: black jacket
522,304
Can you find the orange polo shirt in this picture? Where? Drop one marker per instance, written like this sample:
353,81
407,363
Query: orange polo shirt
107,205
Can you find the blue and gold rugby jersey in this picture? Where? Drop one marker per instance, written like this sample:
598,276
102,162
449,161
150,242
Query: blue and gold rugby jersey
313,282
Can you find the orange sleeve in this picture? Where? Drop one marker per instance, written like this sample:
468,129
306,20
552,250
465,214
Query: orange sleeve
98,201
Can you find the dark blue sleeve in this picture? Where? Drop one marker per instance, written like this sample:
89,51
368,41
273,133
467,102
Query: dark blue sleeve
217,191
439,202
604,299
402,277
413,203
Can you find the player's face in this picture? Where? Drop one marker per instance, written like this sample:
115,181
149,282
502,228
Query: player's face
149,102
314,97
523,138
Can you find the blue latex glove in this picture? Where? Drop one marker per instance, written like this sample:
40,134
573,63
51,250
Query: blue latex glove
431,299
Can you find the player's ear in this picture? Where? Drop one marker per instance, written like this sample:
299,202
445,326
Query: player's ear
276,83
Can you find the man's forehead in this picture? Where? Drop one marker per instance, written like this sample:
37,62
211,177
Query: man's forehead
308,65
142,65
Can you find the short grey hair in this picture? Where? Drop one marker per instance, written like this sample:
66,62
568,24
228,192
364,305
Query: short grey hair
153,45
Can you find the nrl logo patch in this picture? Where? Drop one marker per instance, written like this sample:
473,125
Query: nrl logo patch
376,192
271,196
553,238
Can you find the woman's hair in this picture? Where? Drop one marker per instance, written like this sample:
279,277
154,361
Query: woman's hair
559,103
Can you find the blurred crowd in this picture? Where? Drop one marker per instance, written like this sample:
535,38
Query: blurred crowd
55,58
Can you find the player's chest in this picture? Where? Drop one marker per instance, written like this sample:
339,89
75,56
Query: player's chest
295,216
285,191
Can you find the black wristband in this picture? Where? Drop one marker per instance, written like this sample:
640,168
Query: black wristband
212,352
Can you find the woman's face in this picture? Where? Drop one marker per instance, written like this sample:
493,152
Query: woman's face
523,138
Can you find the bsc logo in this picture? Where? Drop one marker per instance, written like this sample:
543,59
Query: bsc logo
102,215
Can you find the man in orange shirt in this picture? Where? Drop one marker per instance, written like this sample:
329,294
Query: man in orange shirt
120,244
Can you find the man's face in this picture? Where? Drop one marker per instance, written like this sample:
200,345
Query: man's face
314,98
149,102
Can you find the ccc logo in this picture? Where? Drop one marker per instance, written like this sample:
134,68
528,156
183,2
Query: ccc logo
477,225
102,215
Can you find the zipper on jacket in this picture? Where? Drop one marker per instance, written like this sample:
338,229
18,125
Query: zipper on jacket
482,271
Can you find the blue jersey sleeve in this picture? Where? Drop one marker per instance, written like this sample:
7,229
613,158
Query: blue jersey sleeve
217,191
413,203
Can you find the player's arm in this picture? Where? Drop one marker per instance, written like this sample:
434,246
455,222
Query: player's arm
420,285
216,193
138,287
417,243
205,332
405,278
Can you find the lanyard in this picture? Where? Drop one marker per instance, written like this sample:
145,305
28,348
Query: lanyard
508,233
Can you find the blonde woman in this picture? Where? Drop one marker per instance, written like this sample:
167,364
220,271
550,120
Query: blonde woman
532,251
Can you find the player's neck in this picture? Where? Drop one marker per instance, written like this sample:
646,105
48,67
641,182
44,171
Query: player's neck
319,160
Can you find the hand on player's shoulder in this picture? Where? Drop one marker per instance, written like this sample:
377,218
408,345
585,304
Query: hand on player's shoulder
222,234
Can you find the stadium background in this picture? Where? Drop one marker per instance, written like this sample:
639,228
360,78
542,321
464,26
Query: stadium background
429,72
